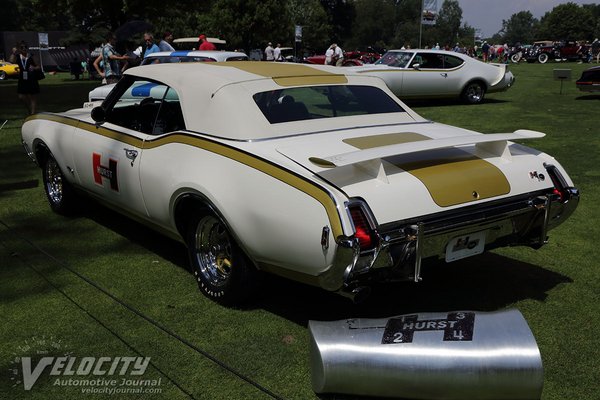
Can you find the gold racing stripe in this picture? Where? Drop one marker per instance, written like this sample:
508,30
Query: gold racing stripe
451,176
369,142
457,177
319,193
287,74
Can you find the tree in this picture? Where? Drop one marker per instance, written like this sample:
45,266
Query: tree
341,17
520,27
248,24
448,22
567,21
313,19
374,23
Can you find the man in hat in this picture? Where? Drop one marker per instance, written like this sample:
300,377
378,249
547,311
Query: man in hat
205,44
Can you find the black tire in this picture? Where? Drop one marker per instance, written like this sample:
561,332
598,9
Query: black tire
2,75
473,93
543,58
515,58
60,194
222,270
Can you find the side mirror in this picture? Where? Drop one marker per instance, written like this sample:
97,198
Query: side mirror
416,66
98,114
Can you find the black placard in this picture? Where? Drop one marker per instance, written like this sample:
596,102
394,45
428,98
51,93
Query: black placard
457,327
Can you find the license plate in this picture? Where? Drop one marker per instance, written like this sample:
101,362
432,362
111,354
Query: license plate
465,246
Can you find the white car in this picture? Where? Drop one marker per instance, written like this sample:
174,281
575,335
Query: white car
100,93
418,74
309,172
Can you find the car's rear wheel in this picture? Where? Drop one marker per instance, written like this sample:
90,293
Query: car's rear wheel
515,58
543,58
59,192
473,93
223,271
2,75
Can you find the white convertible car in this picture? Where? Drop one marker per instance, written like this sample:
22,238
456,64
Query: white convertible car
419,74
309,172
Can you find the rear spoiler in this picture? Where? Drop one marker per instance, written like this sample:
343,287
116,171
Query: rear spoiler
494,143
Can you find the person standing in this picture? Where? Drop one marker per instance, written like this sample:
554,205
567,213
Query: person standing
338,55
205,44
485,51
28,87
269,52
166,43
329,56
150,46
277,53
110,60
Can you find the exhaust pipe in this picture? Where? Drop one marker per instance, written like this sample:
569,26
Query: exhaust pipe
357,294
453,356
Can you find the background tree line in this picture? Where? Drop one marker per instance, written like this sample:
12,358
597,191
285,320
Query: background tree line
248,24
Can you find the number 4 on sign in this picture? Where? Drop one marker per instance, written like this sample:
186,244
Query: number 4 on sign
458,335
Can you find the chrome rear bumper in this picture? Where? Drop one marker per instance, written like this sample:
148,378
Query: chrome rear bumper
402,245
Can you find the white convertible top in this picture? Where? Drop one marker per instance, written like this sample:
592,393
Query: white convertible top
216,98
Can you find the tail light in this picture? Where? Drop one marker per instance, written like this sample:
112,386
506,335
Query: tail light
364,232
560,186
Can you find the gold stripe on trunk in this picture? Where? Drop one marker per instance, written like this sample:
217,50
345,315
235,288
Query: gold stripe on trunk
455,177
370,142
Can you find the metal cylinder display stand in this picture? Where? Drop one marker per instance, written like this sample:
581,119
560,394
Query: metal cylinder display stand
457,355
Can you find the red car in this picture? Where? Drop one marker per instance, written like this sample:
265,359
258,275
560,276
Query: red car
351,58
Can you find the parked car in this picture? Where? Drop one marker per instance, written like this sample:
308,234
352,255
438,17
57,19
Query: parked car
568,50
8,70
100,93
415,74
590,80
310,172
351,58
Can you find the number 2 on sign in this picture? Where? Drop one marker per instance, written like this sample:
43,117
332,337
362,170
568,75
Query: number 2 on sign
397,337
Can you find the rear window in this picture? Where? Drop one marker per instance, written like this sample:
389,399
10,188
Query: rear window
315,102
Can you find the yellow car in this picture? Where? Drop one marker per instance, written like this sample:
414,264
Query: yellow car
8,70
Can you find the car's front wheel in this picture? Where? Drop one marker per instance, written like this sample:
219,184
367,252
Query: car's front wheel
2,75
473,93
59,192
543,58
223,271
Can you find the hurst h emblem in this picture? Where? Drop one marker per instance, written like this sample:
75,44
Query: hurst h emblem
105,172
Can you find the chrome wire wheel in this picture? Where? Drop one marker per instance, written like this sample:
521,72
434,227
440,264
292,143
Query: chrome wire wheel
54,182
213,251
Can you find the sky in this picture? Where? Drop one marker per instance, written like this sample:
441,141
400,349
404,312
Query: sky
487,15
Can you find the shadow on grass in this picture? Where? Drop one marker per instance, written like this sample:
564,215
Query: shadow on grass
483,283
448,102
589,97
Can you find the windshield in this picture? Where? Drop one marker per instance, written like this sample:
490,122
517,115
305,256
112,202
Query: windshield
314,102
395,59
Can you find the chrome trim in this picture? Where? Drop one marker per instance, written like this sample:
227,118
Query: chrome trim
401,246
346,256
418,252
29,153
308,133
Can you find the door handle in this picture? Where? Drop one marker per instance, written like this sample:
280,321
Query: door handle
445,75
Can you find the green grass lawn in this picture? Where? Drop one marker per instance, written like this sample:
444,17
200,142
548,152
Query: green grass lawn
137,298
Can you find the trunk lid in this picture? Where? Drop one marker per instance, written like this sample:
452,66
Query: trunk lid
417,169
